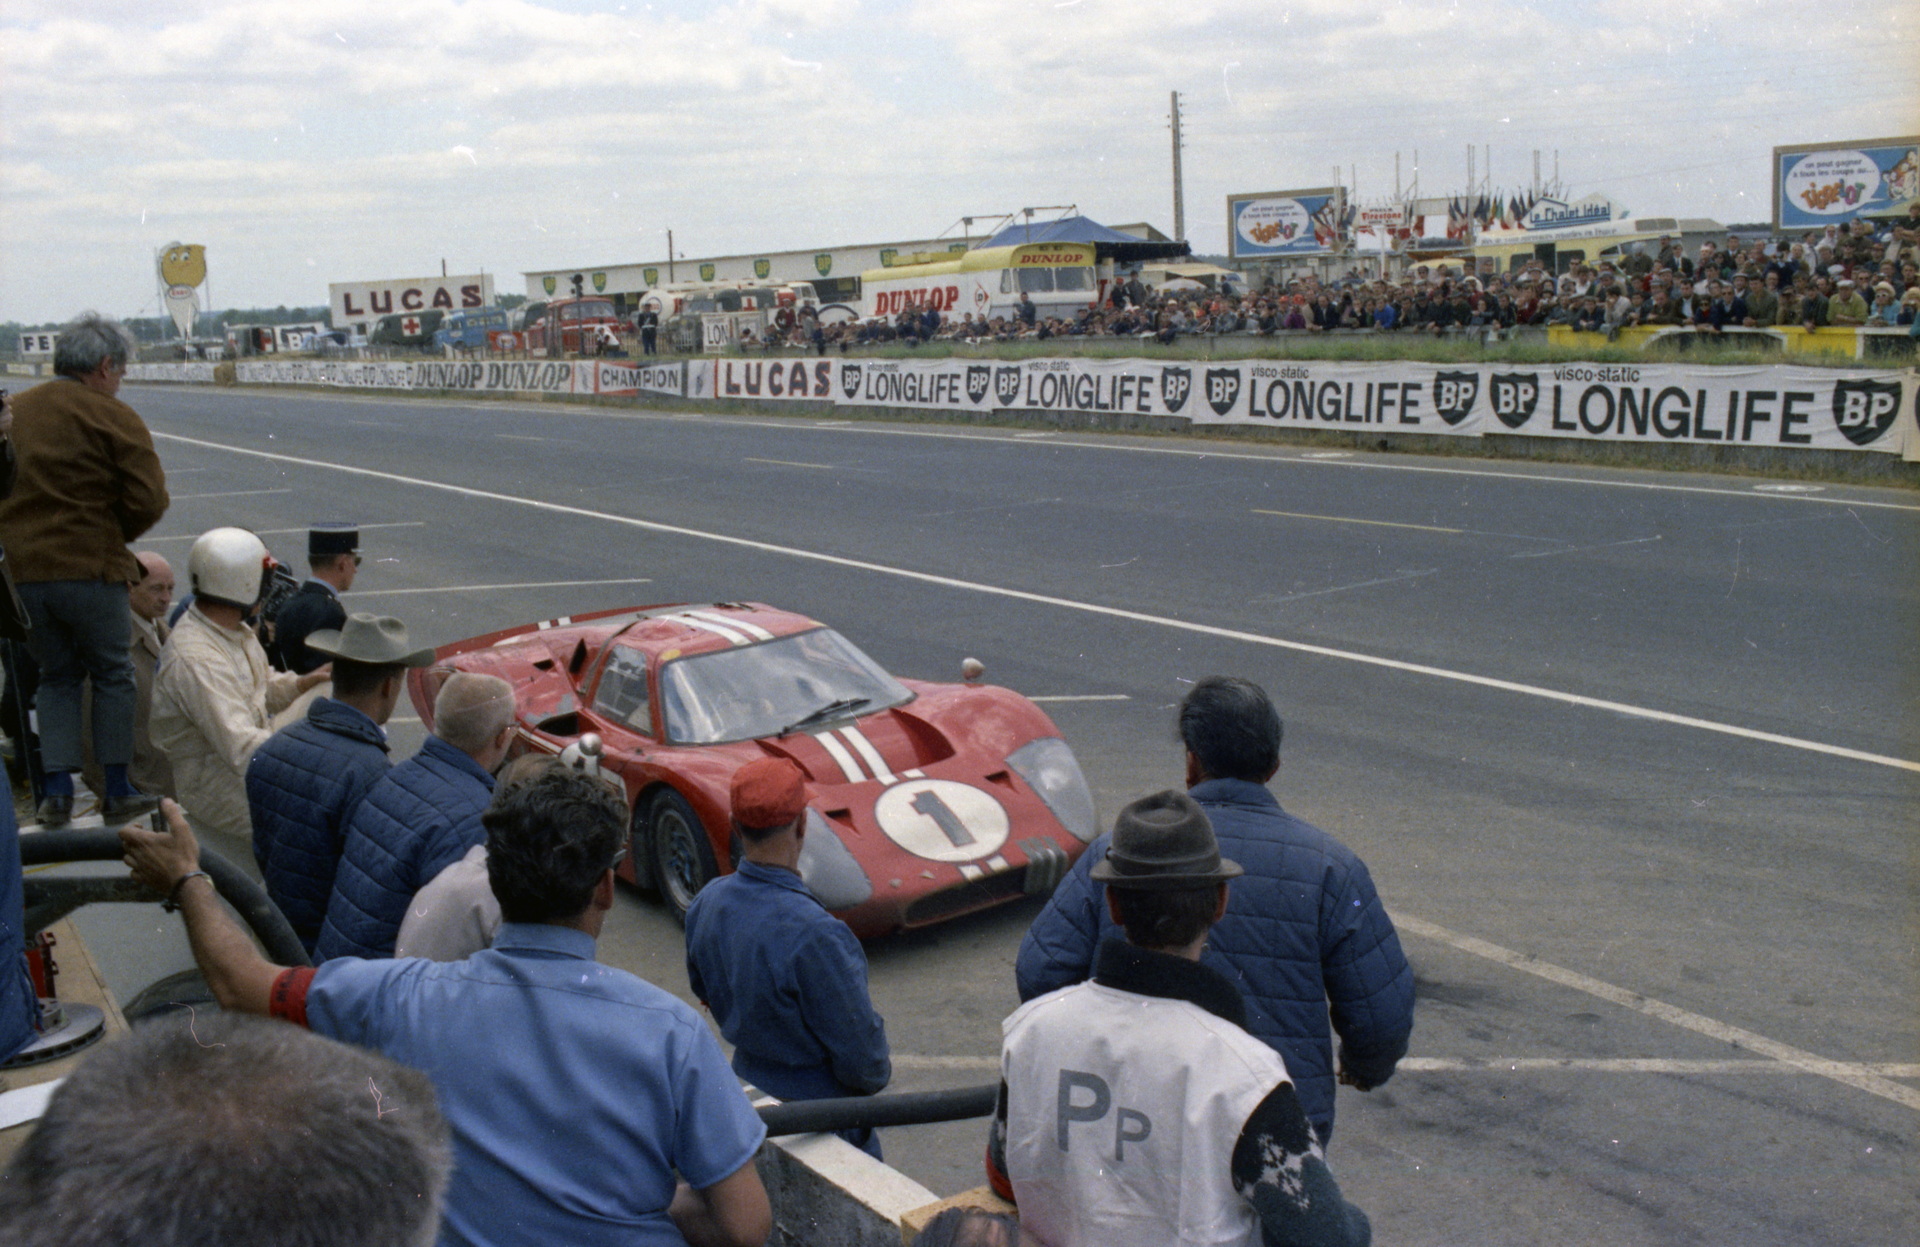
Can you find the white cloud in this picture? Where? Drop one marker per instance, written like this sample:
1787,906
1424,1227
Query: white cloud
383,136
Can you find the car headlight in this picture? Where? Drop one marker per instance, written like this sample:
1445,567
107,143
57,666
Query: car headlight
828,869
1051,770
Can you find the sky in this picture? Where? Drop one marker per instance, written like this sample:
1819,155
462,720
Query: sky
359,140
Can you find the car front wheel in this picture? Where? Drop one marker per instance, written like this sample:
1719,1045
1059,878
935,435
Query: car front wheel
682,854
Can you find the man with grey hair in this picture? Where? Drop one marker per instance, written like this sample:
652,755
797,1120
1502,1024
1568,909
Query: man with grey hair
419,818
223,1128
88,483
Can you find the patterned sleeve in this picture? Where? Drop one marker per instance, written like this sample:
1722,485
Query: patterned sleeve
1279,1168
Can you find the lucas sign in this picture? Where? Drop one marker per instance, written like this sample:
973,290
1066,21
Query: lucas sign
360,303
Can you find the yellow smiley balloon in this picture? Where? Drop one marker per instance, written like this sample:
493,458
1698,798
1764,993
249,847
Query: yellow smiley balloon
183,264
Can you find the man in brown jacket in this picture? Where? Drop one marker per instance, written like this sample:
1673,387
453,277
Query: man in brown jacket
89,482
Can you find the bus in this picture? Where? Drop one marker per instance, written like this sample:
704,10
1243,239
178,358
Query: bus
987,281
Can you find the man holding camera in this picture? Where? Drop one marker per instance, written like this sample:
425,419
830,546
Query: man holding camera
213,693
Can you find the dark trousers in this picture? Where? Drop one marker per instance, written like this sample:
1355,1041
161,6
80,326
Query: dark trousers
647,336
82,632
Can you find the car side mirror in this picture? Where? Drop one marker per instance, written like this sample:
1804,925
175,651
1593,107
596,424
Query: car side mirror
971,669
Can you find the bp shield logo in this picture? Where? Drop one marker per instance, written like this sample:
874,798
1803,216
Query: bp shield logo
651,276
1514,396
1453,394
762,267
1175,385
850,379
706,272
823,263
1863,410
549,283
1223,389
979,381
888,255
1006,385
599,283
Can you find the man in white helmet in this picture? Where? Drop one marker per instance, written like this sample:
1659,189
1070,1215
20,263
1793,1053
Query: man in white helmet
214,695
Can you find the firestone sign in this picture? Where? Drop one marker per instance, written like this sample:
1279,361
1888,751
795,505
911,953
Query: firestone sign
362,302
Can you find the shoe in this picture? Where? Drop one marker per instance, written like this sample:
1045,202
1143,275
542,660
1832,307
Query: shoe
117,810
55,811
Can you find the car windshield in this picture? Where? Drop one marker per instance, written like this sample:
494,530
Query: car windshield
758,690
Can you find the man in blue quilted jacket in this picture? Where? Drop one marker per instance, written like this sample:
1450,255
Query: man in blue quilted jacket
419,818
305,783
1305,937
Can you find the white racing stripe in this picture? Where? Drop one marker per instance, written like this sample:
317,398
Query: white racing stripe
1094,608
708,626
841,758
852,734
1503,1065
747,626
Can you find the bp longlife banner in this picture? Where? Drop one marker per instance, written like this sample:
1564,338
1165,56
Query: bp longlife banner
1771,405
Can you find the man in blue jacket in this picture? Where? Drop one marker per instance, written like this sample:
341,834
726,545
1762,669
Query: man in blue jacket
305,783
1304,934
419,818
785,979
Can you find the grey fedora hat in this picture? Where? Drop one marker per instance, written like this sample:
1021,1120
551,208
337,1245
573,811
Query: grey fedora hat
1163,842
380,640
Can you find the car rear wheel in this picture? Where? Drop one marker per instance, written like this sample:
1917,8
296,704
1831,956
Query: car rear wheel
682,854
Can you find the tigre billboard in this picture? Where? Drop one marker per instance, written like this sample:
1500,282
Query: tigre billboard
1825,184
1284,223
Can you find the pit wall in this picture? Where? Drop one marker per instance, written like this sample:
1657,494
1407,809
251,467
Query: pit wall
1774,406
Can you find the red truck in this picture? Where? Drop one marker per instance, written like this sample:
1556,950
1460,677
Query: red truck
574,327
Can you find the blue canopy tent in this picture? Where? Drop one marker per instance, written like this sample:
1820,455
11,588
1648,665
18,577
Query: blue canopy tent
1109,244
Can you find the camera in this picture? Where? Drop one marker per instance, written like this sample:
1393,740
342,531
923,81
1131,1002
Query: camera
277,584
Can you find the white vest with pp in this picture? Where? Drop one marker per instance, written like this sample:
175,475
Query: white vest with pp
1122,1115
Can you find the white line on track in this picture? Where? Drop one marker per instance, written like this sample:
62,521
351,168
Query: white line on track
231,493
277,532
788,463
1647,1065
1839,1071
1083,697
1358,584
525,584
1605,545
1092,608
1529,1065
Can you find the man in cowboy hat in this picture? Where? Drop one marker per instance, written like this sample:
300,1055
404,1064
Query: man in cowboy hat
333,558
307,780
1135,1109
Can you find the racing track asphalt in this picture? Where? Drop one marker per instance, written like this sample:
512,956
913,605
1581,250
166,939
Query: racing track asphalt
1667,975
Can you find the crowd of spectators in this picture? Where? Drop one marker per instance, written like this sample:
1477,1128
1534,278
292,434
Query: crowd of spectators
1854,276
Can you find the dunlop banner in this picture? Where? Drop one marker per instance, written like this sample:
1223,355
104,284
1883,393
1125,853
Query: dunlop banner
192,370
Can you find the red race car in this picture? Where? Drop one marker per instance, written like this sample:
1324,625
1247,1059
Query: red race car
926,800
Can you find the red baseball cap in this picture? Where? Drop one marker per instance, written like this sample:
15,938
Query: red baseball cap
767,793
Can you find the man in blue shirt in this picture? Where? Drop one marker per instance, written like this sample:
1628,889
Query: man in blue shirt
575,1092
786,980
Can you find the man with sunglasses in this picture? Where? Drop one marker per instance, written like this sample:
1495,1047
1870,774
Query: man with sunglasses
333,558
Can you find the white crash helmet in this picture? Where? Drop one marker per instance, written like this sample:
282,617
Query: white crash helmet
228,565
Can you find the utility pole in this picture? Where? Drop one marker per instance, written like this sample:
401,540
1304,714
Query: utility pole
1179,188
669,255
1398,194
